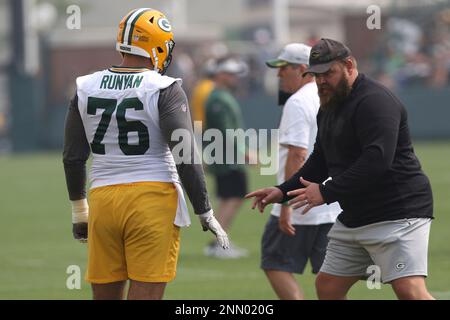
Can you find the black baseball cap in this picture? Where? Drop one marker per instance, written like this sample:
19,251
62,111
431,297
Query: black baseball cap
324,54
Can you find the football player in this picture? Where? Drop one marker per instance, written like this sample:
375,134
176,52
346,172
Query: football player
125,116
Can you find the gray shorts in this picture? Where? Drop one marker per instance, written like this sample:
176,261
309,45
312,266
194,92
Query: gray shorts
282,252
399,248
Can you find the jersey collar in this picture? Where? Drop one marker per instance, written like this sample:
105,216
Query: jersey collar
119,69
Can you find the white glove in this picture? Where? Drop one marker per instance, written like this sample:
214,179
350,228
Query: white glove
209,222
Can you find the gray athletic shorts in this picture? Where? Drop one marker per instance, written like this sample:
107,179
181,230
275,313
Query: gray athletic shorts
399,248
282,252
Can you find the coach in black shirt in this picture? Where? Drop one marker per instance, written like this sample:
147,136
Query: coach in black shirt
363,144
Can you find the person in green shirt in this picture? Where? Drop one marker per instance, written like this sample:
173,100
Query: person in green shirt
223,112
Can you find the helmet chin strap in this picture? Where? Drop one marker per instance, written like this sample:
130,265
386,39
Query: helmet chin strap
169,46
155,60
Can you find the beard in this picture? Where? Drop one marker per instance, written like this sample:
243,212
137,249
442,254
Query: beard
335,96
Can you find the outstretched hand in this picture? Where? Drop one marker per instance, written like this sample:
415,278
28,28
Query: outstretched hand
309,196
265,196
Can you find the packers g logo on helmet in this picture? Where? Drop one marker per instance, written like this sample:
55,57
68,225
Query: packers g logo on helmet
147,32
164,24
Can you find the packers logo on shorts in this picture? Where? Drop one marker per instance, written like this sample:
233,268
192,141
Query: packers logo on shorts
400,266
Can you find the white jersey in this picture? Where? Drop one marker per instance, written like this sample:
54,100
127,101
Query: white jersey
119,110
298,127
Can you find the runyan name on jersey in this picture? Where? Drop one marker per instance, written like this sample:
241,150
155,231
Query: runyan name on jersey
120,82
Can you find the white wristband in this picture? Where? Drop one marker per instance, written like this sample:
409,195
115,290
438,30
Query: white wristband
80,211
206,214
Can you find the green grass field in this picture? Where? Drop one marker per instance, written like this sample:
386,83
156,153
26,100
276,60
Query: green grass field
36,244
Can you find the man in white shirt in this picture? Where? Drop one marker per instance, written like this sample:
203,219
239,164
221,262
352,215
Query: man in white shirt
291,239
